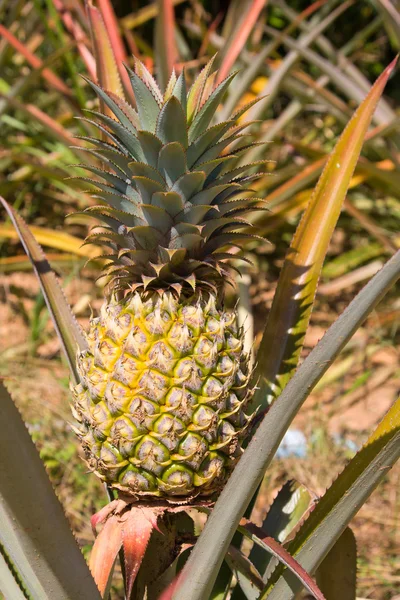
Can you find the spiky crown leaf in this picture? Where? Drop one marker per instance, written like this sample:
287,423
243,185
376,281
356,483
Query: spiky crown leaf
174,194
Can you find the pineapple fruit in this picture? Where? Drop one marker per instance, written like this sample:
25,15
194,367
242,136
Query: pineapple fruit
161,404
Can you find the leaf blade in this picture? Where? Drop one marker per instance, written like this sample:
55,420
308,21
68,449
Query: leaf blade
165,46
68,330
293,301
39,540
106,66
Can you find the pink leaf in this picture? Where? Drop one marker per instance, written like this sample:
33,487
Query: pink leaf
287,559
104,552
34,61
239,38
136,534
117,44
79,35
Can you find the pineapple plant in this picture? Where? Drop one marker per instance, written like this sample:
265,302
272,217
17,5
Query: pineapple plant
164,383
161,383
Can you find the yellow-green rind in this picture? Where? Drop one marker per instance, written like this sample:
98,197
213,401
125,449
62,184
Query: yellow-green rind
161,403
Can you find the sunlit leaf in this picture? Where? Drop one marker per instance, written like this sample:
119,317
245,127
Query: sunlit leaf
293,301
107,71
68,330
337,574
164,42
33,528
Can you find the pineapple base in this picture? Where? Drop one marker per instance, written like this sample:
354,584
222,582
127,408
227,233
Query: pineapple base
161,403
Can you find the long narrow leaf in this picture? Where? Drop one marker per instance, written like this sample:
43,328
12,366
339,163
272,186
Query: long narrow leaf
239,37
203,565
272,546
294,298
33,528
164,43
8,584
34,61
341,502
337,574
117,44
106,66
67,328
78,34
284,514
59,240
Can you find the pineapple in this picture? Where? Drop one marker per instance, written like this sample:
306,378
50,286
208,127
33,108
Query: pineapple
161,404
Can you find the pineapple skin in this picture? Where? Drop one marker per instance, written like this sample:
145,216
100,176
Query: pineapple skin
164,387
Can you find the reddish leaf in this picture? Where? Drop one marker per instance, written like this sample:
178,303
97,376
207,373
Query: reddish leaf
239,38
79,35
104,553
106,66
116,42
34,61
287,559
102,515
168,594
136,534
165,46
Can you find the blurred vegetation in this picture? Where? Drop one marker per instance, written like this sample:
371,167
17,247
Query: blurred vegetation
314,62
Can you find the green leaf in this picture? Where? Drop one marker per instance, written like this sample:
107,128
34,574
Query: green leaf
209,138
68,330
294,298
147,187
203,565
207,111
147,105
172,162
179,90
195,95
157,217
151,147
121,185
189,184
247,575
208,195
147,78
124,135
337,574
171,123
9,586
113,106
341,502
170,201
33,528
145,170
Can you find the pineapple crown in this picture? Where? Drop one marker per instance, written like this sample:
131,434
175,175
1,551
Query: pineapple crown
174,193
